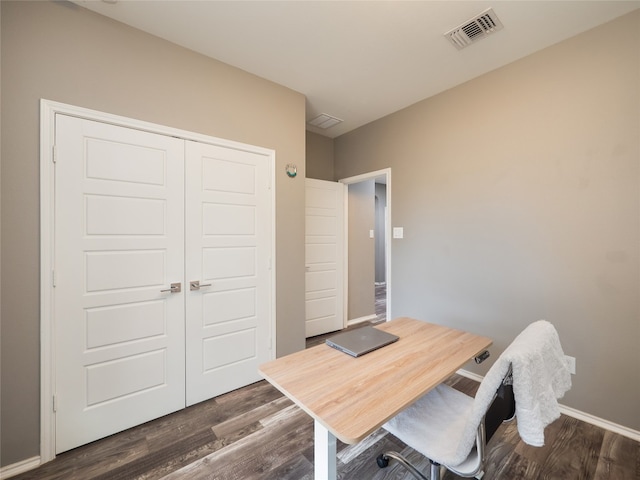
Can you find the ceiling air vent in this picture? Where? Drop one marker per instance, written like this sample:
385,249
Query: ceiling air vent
474,29
324,121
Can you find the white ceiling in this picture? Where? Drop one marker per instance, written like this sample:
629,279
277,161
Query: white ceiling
359,60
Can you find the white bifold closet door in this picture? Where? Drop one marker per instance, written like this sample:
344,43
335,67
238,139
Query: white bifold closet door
137,213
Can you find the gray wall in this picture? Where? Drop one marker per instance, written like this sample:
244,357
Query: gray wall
61,52
520,199
361,211
319,157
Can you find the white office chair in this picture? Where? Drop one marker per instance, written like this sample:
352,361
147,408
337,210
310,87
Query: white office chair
452,429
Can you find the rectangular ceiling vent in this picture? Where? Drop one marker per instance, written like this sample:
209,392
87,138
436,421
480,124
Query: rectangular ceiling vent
474,29
324,121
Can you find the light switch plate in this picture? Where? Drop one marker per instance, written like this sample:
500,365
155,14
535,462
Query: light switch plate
398,232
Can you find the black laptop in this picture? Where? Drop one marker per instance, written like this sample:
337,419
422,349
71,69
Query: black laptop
360,340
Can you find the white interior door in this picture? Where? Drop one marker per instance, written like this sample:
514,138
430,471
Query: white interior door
229,237
119,334
324,256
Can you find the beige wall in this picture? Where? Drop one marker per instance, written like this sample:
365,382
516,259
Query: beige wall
361,255
319,157
61,52
519,194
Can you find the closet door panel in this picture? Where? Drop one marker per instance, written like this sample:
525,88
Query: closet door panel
119,340
228,247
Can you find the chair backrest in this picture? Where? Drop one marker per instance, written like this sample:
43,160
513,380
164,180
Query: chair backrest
494,402
502,408
540,376
536,347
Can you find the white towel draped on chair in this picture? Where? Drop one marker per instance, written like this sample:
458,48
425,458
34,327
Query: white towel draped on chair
540,377
443,424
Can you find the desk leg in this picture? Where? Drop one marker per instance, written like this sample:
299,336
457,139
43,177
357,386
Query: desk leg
325,453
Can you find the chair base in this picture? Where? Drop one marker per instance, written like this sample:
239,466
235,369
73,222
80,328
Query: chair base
383,461
434,471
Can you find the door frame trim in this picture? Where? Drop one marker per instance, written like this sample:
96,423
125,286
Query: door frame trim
48,111
385,172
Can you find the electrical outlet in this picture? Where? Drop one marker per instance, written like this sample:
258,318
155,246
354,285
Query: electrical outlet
571,363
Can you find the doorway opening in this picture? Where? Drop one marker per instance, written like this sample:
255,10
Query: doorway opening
368,240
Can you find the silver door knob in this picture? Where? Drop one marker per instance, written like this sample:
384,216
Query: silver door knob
175,288
196,285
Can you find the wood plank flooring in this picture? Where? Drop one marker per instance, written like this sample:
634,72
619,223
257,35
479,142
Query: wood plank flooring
381,302
256,433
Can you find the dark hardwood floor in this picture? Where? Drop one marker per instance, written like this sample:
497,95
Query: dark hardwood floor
257,433
381,302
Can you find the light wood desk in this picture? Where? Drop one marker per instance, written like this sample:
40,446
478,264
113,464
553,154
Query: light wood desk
349,398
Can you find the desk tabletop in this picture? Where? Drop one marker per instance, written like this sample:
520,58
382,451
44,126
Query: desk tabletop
353,397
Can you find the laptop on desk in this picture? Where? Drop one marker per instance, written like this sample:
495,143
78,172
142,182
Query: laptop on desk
361,340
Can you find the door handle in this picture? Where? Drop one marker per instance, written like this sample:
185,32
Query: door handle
175,288
195,285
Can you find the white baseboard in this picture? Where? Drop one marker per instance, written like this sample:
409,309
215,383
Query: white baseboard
361,319
20,467
601,422
572,412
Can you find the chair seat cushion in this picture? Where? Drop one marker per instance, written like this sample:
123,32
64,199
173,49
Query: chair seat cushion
435,425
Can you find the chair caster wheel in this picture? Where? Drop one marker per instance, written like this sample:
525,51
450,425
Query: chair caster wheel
382,461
